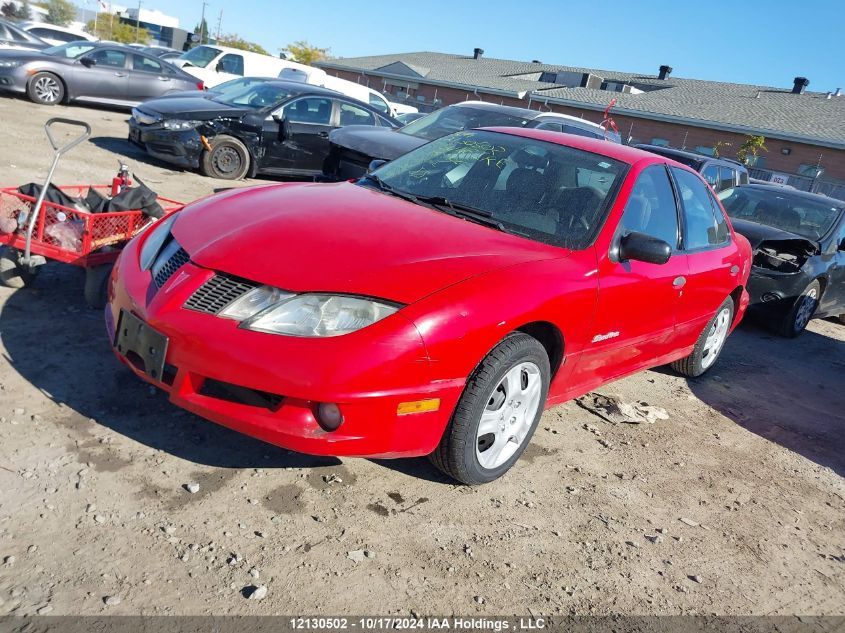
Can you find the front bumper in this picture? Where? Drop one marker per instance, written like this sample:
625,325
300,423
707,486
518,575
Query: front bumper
181,148
367,373
14,79
774,292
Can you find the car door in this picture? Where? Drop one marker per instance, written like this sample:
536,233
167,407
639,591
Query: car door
302,143
230,66
833,297
637,301
102,74
147,79
713,259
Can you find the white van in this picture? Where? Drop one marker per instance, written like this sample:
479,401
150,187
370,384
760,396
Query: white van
215,64
319,77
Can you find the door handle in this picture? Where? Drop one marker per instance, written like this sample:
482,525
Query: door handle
679,282
120,74
164,78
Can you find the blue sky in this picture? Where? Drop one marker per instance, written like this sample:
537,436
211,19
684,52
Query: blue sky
766,43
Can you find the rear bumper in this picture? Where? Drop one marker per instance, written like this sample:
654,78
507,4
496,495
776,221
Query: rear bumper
182,148
367,373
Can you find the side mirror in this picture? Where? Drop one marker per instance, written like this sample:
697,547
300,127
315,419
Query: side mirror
644,248
279,118
88,62
220,67
375,164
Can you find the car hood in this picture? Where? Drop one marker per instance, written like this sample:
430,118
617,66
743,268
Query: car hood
377,143
192,108
757,233
344,238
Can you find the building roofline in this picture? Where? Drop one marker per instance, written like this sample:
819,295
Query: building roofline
639,114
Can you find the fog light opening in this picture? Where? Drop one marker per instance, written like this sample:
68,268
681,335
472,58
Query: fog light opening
329,416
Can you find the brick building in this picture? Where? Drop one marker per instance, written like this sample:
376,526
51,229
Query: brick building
805,131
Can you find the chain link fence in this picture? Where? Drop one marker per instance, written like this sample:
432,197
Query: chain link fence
802,183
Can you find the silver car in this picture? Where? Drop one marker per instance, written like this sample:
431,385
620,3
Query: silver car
91,71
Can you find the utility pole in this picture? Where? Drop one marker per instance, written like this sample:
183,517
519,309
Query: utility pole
138,22
219,23
202,23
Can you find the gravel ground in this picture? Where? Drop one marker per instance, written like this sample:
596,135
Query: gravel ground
733,505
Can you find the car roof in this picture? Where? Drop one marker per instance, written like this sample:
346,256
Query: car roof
303,88
794,193
674,151
616,151
525,113
55,27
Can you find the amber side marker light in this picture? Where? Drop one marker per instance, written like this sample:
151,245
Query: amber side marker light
418,406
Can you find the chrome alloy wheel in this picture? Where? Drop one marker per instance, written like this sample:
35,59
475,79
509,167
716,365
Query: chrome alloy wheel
509,414
716,337
806,309
47,89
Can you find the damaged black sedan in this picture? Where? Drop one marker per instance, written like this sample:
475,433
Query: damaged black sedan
271,127
798,239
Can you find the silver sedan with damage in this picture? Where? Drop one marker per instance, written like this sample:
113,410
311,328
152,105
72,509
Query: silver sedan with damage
90,71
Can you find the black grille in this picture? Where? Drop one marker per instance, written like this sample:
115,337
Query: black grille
240,395
218,292
174,263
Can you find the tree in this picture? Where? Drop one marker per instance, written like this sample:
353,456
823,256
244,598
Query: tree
717,148
108,27
305,53
60,12
750,149
19,11
236,41
201,29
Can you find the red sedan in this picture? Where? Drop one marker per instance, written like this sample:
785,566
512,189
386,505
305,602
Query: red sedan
437,305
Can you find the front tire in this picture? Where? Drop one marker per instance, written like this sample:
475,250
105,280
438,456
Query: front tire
497,413
709,344
228,159
97,285
802,311
45,88
12,273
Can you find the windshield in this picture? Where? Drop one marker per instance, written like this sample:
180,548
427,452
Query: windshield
235,86
259,95
200,56
544,191
71,50
805,217
455,119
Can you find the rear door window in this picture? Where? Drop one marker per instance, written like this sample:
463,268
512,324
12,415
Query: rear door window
353,115
145,64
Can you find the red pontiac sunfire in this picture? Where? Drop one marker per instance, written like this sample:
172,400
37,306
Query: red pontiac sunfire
437,305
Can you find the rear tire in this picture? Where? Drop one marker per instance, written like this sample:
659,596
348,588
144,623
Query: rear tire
13,274
710,342
45,88
97,285
506,394
802,311
228,159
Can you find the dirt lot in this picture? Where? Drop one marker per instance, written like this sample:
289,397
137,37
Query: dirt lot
741,490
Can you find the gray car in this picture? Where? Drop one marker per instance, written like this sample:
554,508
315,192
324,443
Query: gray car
14,38
90,71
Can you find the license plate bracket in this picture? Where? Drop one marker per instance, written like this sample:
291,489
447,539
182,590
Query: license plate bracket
140,344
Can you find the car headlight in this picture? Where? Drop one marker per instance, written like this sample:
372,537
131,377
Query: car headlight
318,315
156,237
253,302
9,63
179,124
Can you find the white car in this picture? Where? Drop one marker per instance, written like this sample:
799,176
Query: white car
215,64
56,35
319,77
